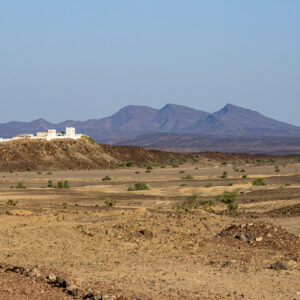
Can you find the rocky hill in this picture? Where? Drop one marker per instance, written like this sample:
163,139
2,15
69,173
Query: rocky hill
71,154
38,155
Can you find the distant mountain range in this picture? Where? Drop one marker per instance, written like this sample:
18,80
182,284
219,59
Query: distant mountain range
172,124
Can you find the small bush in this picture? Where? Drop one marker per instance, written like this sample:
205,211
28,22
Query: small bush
183,184
162,166
230,198
130,164
210,184
243,170
259,181
39,173
122,165
89,139
148,171
137,172
181,172
297,159
207,204
64,204
50,183
188,204
187,177
224,163
49,173
60,184
11,171
244,176
20,185
110,202
11,202
106,178
224,175
66,184
139,186
277,169
149,167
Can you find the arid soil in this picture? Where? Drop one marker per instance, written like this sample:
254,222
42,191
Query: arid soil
66,243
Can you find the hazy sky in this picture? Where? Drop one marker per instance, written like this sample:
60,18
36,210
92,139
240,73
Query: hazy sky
71,59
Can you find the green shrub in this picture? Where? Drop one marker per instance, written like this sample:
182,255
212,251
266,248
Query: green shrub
243,170
64,204
66,184
106,178
49,173
89,139
60,184
110,202
181,172
20,185
39,173
207,204
277,169
130,164
122,165
210,184
187,177
11,202
224,163
149,167
183,184
11,171
297,159
137,172
148,171
50,183
244,176
259,181
139,186
230,198
188,204
224,175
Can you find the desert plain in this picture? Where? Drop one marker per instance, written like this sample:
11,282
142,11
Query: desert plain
95,239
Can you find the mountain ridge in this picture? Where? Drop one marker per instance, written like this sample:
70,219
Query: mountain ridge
134,120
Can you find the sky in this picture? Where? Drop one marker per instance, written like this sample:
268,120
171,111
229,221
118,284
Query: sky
79,60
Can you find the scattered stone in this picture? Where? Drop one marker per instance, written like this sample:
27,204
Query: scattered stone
73,290
35,272
259,239
242,237
279,266
146,232
16,269
52,278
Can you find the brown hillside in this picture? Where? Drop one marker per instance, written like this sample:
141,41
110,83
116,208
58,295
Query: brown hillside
82,154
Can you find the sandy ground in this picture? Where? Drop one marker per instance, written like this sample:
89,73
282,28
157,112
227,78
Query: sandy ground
143,248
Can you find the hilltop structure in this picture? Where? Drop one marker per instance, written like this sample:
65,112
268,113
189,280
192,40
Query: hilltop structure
47,135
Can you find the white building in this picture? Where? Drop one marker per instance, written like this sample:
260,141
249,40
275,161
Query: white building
47,135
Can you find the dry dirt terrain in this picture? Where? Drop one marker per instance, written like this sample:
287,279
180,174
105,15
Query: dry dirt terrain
66,243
